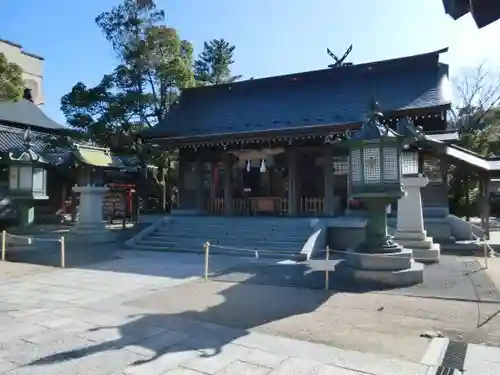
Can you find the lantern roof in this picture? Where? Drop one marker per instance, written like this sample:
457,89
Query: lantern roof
373,128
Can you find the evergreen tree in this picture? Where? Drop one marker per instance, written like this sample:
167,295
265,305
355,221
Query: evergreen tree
11,80
213,65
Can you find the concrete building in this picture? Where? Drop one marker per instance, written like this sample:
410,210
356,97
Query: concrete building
31,64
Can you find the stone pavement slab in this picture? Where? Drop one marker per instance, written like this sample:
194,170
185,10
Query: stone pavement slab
482,360
89,321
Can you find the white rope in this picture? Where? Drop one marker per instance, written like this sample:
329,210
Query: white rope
482,240
257,251
31,239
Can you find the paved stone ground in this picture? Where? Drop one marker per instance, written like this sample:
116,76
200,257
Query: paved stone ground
149,313
90,321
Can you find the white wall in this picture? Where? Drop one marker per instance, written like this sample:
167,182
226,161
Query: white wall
32,66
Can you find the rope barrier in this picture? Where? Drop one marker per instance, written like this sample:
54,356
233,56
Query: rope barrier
242,249
30,239
207,245
488,251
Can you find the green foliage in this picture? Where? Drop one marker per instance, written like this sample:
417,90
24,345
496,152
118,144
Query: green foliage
476,117
11,80
154,64
213,65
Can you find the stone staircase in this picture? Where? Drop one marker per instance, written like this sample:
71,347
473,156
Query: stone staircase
281,238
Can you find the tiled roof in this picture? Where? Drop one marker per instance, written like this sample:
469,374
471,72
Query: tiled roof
323,97
24,112
14,142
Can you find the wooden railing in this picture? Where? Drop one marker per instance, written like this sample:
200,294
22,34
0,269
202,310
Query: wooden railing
242,206
308,206
311,206
215,206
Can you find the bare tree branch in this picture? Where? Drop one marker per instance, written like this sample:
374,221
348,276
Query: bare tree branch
476,93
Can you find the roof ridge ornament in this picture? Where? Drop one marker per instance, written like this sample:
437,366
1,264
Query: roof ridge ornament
339,62
27,155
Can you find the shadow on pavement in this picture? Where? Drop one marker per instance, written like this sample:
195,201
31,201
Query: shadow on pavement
240,305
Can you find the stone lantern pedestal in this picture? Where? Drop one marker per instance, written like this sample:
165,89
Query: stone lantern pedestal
410,231
90,227
379,260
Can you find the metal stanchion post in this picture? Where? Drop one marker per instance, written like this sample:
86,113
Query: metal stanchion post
63,253
4,244
485,247
206,247
327,268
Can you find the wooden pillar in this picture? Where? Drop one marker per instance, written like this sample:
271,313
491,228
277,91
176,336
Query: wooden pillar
329,202
293,199
200,204
228,185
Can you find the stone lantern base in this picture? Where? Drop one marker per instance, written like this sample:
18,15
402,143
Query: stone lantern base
90,228
379,261
424,248
396,269
410,231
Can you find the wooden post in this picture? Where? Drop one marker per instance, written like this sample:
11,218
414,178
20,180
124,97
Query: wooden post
4,244
63,253
206,247
327,268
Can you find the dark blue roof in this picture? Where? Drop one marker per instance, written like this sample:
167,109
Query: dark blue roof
317,98
26,113
484,12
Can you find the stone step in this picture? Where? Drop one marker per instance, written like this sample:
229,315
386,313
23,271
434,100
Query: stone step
248,223
431,255
253,245
282,237
216,251
236,229
416,244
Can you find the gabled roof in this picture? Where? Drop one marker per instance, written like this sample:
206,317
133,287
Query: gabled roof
332,96
26,113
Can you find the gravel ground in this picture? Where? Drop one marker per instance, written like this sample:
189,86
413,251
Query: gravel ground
454,277
371,322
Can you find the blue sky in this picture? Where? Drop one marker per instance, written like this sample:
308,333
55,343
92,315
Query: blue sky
272,37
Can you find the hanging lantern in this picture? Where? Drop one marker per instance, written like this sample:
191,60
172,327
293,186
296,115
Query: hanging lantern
263,167
249,165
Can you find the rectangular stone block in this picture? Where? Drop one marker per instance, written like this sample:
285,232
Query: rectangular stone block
51,350
263,358
213,360
298,366
101,363
157,344
183,371
290,347
243,368
174,357
378,364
